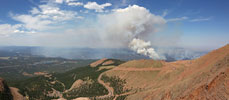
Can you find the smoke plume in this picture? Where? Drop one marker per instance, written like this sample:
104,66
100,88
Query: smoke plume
129,27
142,47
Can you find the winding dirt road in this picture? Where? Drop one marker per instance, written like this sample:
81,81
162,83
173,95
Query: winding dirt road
110,89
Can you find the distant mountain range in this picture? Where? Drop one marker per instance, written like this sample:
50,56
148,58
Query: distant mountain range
171,54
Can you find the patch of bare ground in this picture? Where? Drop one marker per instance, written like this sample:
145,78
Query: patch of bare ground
27,74
136,69
109,62
76,84
81,98
99,62
105,67
40,73
16,94
143,63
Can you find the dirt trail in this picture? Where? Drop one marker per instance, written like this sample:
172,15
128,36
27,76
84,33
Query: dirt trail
110,89
61,84
127,93
137,69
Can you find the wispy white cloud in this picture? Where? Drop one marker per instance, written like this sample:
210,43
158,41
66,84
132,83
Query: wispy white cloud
201,19
59,1
96,7
124,2
80,17
75,4
69,2
32,22
8,29
44,17
177,19
165,13
62,1
84,11
34,11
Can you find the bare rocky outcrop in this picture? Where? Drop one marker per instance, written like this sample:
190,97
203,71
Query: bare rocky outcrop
5,93
217,89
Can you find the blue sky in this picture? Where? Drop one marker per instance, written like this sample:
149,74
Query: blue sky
196,24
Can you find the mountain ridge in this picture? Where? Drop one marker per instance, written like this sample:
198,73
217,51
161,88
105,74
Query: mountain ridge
205,78
180,79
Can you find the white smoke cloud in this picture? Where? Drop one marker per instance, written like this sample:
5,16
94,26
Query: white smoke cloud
123,26
144,48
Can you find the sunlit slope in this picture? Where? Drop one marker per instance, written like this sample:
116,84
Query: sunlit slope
204,78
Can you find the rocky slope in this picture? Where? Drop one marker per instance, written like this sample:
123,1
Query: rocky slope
205,78
5,93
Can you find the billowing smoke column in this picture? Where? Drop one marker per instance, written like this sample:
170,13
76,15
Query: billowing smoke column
142,47
130,27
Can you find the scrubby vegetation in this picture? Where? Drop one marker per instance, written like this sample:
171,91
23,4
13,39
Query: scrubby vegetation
107,98
53,85
5,93
121,97
12,69
38,87
90,89
87,90
116,83
68,78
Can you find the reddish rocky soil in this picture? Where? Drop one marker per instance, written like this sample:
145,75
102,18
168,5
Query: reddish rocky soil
205,78
109,62
97,63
